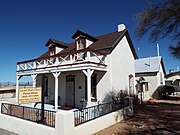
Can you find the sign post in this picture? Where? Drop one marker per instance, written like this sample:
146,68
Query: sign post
42,98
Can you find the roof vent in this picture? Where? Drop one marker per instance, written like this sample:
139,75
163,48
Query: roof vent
121,27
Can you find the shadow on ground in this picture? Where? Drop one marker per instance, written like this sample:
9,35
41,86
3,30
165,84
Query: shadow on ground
151,118
155,118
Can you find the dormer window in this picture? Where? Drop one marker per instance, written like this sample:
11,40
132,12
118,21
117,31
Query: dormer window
81,44
83,40
51,50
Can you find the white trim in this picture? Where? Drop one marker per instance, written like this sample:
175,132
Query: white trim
88,74
34,79
56,75
70,68
18,77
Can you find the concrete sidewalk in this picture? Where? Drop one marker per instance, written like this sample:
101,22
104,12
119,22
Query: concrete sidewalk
5,132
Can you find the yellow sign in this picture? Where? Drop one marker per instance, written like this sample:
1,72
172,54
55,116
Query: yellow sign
29,95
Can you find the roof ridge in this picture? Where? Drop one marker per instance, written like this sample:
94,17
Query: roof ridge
150,57
107,34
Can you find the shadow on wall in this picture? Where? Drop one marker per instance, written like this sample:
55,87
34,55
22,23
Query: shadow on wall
163,91
114,93
119,95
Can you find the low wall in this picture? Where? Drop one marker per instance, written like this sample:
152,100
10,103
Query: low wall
105,121
64,124
23,127
100,123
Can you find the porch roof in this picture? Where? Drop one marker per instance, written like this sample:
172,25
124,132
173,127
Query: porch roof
65,68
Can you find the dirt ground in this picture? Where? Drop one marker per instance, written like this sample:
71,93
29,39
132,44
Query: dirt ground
155,117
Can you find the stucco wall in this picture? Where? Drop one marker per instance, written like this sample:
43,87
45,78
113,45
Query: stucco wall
122,65
99,123
104,85
23,127
152,80
160,76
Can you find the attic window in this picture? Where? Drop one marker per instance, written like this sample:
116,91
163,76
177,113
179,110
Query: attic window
81,43
51,51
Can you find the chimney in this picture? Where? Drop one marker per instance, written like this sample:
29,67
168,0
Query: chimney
121,27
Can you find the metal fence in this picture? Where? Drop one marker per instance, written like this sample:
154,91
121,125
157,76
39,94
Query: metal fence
28,113
93,112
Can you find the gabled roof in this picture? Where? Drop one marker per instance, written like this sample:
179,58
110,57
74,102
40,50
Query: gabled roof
110,40
81,33
56,43
149,65
106,41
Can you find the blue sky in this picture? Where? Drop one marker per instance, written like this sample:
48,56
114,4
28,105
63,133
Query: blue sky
25,26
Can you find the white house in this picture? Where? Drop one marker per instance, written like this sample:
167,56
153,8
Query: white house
150,73
90,68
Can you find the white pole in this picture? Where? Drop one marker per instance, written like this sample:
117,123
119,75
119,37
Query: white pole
88,74
56,75
158,50
17,87
34,79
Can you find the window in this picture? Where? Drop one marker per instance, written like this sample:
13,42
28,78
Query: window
146,86
51,51
81,44
93,87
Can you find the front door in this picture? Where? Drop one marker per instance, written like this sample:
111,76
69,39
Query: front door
70,88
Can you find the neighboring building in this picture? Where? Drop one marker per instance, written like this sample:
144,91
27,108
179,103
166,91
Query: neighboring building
173,78
7,92
90,68
150,73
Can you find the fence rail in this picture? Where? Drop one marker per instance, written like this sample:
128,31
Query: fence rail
28,113
93,112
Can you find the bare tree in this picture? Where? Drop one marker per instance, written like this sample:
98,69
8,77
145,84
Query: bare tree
161,20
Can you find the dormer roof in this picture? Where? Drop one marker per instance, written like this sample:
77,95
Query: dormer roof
107,41
83,34
56,43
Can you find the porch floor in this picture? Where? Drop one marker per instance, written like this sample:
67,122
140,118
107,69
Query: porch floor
66,108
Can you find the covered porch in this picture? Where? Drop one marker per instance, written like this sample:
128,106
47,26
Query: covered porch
69,79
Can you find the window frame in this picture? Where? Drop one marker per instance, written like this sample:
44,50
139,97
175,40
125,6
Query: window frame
81,40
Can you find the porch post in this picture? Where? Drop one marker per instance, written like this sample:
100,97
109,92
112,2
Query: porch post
34,79
88,74
18,77
56,75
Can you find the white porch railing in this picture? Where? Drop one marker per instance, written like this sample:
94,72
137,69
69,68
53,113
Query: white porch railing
74,57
